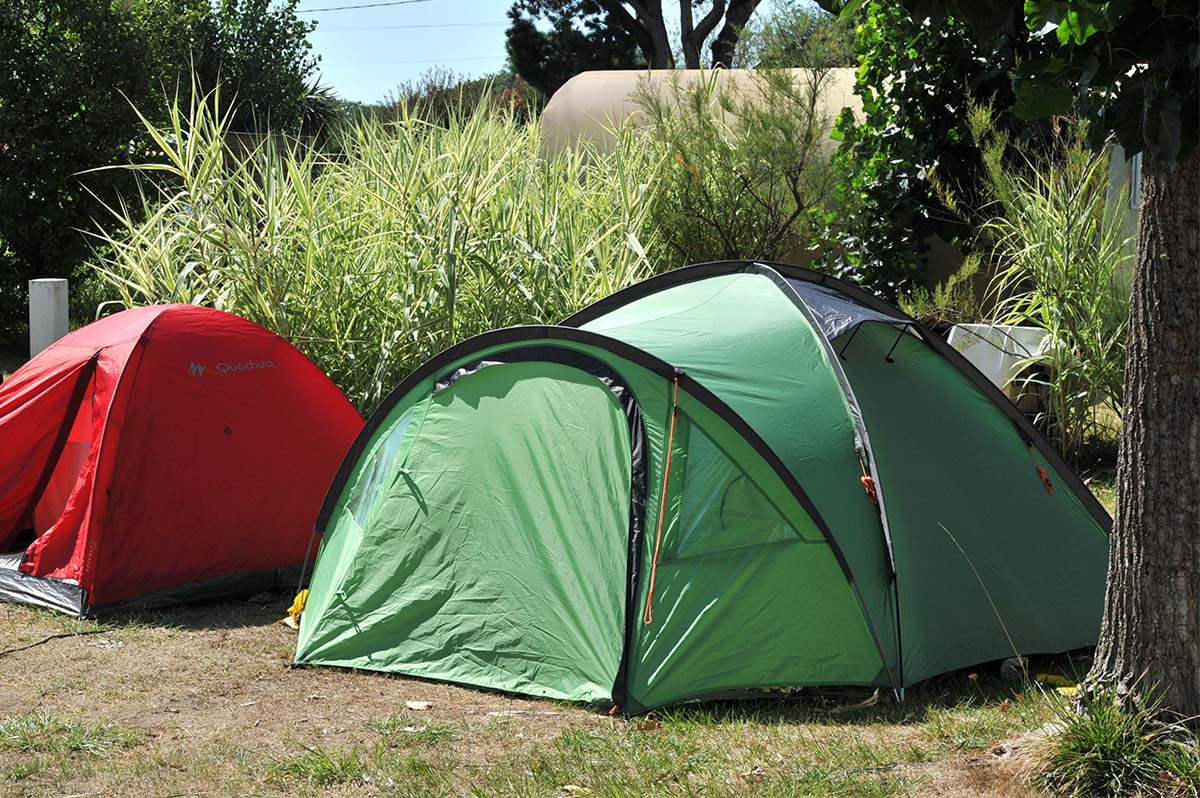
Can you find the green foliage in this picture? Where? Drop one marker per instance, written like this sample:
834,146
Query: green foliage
1064,255
1110,747
258,51
56,116
744,168
38,732
411,237
440,94
952,301
796,34
550,41
917,78
70,74
1129,68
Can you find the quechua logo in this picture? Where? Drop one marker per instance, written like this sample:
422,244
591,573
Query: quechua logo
199,369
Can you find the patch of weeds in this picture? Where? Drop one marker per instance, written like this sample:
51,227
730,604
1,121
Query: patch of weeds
320,767
982,715
612,761
414,777
401,731
849,764
37,732
1112,746
22,770
865,782
966,727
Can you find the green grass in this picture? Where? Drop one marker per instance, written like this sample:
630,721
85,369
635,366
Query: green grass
784,746
771,747
320,767
37,732
404,730
1106,493
1112,747
22,770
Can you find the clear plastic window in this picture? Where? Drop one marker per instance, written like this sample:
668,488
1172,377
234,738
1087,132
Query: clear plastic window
378,470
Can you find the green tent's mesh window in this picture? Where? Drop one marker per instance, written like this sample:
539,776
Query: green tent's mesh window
377,470
718,507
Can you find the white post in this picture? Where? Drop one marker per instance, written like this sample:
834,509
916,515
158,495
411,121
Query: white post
47,313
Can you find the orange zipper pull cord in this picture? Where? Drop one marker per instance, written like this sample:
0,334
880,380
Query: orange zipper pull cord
1046,483
867,481
648,613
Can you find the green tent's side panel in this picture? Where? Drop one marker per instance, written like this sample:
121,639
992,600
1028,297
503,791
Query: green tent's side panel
748,593
485,540
745,341
955,468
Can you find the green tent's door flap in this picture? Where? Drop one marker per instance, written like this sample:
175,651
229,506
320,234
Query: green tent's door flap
488,542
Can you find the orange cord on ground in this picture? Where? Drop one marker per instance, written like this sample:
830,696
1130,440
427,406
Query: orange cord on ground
867,481
648,614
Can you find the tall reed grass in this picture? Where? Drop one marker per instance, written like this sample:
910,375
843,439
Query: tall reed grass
1060,248
395,242
1065,254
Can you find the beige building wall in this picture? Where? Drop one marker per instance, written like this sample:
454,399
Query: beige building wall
591,105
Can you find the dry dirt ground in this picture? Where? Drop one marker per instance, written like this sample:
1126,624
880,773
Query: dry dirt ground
201,701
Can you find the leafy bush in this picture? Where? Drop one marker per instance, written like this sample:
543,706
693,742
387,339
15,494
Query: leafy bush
439,94
917,78
792,34
69,72
952,301
1109,746
743,168
413,236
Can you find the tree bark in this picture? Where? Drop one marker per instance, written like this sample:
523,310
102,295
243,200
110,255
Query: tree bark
648,29
1150,639
726,42
692,37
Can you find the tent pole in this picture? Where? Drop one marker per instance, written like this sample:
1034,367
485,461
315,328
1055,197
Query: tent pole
888,356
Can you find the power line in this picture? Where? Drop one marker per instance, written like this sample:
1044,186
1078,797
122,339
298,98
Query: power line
405,27
364,5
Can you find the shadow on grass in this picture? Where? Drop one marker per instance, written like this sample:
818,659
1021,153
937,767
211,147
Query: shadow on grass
261,609
979,685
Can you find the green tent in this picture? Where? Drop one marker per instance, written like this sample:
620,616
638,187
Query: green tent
732,476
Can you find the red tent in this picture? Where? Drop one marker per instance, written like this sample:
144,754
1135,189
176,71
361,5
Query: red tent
163,453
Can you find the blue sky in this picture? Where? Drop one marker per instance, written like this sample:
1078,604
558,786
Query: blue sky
368,52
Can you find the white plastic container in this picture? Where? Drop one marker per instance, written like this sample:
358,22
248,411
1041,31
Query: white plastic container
998,350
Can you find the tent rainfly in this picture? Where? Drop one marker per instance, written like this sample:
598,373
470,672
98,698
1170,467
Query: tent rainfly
164,453
732,476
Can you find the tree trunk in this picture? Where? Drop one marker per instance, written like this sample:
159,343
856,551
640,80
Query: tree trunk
661,57
726,42
692,36
687,36
648,29
1150,640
